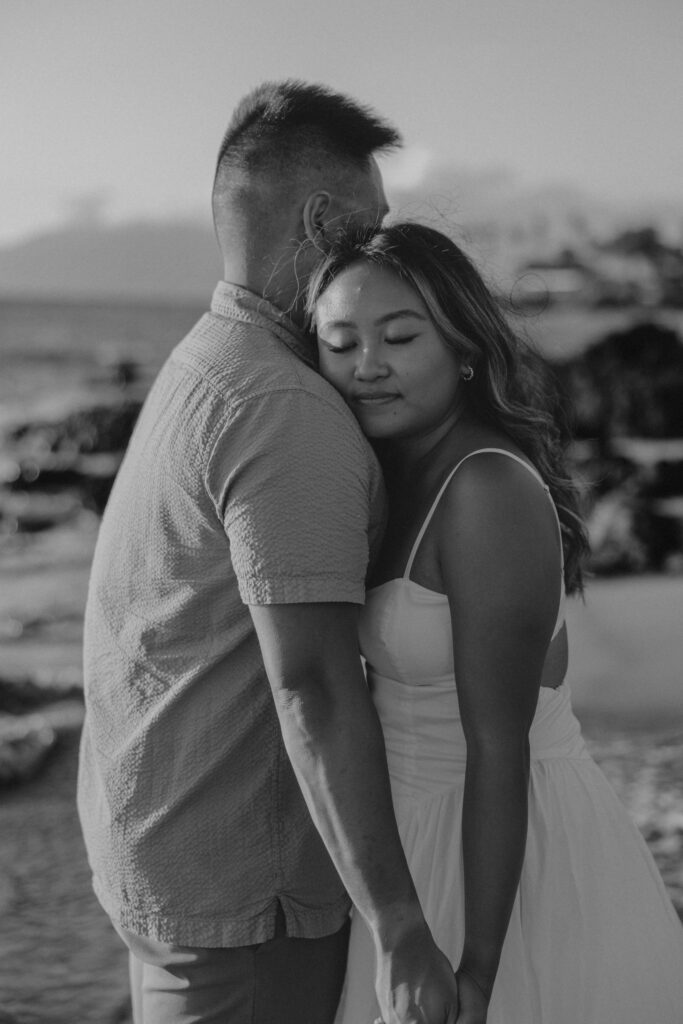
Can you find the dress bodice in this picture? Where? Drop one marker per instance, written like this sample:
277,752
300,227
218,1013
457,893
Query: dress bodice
405,632
405,628
407,641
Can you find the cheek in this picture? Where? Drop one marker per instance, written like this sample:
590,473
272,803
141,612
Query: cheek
427,379
334,370
434,387
444,375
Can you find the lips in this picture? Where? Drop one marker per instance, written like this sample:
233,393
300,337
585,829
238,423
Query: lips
374,397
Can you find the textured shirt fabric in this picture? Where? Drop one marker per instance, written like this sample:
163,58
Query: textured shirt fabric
246,481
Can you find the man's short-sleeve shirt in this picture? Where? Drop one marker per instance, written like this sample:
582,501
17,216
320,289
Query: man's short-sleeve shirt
246,481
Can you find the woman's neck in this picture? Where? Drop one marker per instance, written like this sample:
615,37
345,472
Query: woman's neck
420,456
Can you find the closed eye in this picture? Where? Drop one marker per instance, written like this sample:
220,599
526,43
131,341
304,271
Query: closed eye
336,348
404,339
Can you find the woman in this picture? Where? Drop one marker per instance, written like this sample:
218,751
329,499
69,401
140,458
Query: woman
533,878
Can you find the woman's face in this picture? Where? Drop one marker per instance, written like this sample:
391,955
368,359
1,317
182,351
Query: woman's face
380,349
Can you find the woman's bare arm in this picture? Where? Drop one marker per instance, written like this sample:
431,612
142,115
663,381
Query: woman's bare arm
499,554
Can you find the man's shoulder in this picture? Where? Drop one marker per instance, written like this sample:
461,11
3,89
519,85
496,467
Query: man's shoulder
239,361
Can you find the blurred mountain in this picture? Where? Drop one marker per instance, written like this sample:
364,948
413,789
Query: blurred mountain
503,222
173,261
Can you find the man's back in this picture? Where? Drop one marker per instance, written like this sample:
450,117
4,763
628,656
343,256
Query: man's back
246,482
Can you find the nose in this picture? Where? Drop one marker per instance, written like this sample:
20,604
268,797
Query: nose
369,365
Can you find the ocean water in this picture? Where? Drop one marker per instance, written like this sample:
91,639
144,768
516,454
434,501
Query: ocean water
54,355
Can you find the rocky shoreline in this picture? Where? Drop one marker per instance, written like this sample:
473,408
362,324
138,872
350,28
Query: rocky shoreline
31,718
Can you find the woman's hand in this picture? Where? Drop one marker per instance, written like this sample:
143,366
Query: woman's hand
474,1003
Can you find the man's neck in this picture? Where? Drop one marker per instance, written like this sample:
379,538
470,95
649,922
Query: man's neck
281,293
236,271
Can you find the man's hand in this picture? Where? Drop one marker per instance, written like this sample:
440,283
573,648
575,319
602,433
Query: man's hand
415,983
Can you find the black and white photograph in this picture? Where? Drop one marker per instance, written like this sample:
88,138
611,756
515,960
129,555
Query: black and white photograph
341,512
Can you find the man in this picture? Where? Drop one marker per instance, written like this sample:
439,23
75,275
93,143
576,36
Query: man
237,533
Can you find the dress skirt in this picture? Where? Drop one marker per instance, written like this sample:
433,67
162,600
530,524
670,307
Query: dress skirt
593,937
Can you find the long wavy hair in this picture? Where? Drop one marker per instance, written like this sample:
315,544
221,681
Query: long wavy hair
512,388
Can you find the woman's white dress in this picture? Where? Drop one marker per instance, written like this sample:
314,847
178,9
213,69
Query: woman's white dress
593,938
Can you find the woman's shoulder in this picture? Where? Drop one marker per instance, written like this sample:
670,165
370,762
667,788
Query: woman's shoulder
495,487
496,533
490,459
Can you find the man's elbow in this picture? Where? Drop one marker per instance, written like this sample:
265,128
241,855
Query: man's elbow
305,699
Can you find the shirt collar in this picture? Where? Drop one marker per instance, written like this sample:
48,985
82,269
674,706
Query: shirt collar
231,300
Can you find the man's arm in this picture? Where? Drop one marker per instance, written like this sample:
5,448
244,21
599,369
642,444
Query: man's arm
335,744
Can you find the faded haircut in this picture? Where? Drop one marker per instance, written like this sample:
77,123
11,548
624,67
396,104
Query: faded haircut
288,129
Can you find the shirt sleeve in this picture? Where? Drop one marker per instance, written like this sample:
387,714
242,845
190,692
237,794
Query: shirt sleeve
290,475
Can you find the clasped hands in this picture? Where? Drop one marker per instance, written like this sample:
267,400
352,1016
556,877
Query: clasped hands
415,984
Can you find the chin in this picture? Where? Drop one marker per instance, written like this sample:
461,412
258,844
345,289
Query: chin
377,423
379,431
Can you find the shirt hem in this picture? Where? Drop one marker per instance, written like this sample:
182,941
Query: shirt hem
246,930
301,591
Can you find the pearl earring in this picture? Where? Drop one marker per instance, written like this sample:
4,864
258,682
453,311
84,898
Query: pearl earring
467,373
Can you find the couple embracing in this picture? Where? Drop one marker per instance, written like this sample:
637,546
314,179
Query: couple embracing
352,454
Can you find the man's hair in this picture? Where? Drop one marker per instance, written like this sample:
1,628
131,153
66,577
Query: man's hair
286,129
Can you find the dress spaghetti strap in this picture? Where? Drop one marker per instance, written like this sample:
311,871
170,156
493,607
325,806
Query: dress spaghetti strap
432,510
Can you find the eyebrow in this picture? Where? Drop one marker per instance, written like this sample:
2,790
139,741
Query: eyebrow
398,314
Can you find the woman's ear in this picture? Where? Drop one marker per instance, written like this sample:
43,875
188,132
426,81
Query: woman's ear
315,208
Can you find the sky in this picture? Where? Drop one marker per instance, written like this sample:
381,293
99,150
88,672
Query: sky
114,109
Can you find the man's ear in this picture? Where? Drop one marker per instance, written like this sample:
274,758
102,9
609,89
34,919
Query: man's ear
315,208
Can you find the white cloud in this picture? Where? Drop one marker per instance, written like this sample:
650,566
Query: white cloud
408,168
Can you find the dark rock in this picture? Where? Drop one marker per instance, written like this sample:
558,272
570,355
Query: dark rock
34,511
123,372
629,384
103,428
21,694
25,743
62,466
666,481
91,476
49,472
